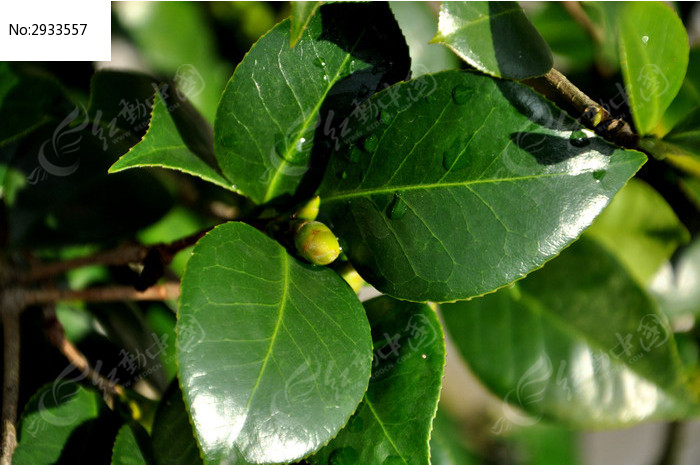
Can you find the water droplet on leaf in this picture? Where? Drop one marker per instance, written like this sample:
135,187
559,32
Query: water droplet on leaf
645,39
370,143
598,175
397,207
385,117
320,62
461,94
579,139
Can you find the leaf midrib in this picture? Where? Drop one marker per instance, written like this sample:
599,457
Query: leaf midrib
404,188
273,338
269,191
381,425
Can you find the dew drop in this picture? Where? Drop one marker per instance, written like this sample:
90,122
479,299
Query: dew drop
645,39
343,456
385,117
451,159
579,139
461,94
598,175
397,208
344,175
320,62
371,143
294,153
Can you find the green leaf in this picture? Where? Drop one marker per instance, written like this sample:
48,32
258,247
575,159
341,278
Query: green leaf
685,136
163,146
302,12
393,422
654,57
688,97
677,287
418,22
641,229
471,184
273,354
541,345
494,37
266,125
132,446
446,443
173,439
56,423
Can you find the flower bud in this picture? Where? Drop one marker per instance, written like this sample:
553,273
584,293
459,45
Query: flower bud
316,243
309,211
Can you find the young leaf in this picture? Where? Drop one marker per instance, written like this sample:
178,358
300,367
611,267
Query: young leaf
688,97
393,422
541,345
274,354
640,228
654,57
132,446
163,146
57,423
302,12
173,439
494,37
266,124
469,184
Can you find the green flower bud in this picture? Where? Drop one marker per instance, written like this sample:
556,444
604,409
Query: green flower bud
316,243
309,211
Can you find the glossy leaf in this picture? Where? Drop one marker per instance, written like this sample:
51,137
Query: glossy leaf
447,445
494,37
418,22
394,420
654,57
471,184
273,354
677,286
640,228
688,97
266,125
173,439
132,446
540,345
302,12
56,423
163,146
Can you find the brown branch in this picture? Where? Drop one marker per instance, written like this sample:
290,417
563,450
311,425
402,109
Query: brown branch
57,336
122,255
558,88
10,389
577,12
29,297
